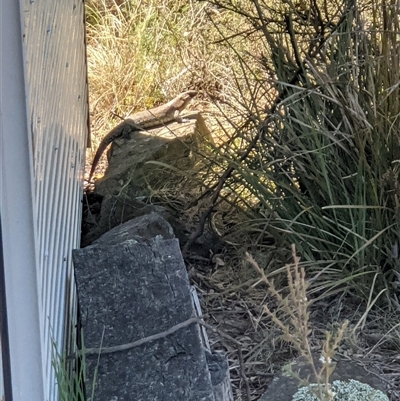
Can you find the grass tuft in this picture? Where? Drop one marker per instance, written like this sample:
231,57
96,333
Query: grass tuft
294,322
324,160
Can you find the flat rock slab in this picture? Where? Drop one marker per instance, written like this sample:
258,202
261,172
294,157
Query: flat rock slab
132,285
175,144
283,388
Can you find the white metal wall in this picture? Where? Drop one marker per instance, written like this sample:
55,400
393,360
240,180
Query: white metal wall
55,69
2,396
53,50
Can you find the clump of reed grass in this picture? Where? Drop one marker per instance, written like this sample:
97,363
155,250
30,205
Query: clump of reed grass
322,169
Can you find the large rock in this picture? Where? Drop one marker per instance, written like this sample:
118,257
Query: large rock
175,145
137,163
132,284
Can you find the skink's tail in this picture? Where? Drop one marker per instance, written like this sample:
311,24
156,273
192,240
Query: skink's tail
102,147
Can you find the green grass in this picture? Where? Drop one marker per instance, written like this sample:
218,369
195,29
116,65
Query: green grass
70,376
325,168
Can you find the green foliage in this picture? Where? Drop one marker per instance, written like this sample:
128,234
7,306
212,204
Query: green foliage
70,376
324,166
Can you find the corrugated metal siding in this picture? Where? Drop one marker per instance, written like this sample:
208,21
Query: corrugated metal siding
2,396
55,70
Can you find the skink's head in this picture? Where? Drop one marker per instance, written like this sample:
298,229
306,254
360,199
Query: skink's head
191,93
185,98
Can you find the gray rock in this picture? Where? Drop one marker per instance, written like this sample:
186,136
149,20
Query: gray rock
283,388
132,283
141,229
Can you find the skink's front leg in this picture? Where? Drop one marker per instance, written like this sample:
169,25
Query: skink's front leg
178,118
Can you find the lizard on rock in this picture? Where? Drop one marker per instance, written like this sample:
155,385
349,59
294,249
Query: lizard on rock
143,120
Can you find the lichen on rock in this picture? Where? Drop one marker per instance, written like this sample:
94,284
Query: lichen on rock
351,390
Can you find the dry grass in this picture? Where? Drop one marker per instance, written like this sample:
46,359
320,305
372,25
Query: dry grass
294,323
143,53
234,297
